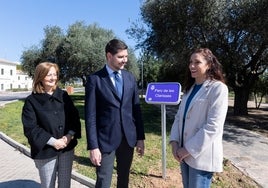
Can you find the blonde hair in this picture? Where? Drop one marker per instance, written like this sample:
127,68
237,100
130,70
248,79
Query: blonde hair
41,71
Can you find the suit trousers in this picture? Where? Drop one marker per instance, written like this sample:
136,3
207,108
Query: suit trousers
60,166
124,157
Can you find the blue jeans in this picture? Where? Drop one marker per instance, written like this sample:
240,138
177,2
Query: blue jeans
193,178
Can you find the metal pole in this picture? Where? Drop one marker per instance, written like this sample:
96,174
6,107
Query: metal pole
163,122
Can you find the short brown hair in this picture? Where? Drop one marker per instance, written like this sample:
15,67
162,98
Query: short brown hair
40,73
114,45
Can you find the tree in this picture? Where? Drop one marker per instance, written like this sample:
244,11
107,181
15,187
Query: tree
132,63
30,58
53,37
244,49
82,50
36,54
260,89
236,31
78,53
149,67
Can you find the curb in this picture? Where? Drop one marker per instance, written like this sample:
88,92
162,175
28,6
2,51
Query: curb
26,151
3,103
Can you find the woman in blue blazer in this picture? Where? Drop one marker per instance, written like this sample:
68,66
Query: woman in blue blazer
196,134
113,119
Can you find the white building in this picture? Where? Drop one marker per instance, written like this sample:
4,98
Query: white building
11,78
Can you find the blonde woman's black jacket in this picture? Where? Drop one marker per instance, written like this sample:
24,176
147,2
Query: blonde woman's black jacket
45,116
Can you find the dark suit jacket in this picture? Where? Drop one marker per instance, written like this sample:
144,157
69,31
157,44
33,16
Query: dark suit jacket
107,117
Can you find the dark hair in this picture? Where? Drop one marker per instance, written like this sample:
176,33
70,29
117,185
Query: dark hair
114,45
213,73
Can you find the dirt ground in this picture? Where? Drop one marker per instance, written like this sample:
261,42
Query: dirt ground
231,177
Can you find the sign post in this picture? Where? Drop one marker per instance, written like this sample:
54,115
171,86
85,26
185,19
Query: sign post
164,140
163,93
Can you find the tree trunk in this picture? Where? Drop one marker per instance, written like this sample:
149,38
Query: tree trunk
241,101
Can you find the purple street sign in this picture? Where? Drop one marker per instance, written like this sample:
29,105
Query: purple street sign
163,93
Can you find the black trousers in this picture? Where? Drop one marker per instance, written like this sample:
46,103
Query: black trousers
124,157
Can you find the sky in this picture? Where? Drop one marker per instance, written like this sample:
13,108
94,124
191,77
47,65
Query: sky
22,22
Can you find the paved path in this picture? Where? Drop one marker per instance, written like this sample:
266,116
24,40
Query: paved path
248,151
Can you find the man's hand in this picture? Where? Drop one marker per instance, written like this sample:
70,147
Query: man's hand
95,157
140,147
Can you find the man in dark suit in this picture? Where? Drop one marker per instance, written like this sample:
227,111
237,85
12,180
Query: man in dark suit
113,117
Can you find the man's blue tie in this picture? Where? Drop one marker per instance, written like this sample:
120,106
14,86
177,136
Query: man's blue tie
118,84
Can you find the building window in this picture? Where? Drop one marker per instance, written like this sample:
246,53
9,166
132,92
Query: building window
18,77
11,87
11,72
2,86
2,71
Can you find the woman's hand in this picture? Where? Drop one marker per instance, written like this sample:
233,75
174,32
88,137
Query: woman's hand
182,153
67,138
59,144
175,148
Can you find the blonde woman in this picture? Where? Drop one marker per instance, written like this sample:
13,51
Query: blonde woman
52,125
